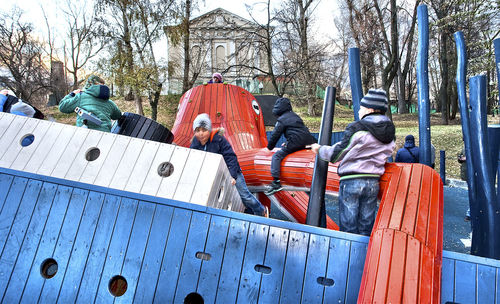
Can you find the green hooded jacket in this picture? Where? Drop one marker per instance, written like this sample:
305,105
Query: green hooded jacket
96,100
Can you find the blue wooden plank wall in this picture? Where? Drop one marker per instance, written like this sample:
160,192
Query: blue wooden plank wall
164,249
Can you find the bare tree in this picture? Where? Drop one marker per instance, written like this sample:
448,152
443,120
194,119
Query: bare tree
21,58
84,40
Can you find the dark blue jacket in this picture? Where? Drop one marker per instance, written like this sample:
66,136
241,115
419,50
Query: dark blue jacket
408,154
296,133
218,144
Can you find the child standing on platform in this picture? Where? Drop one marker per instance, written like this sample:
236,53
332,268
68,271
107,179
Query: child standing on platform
362,153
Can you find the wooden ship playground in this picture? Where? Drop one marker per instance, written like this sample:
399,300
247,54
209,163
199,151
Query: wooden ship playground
136,216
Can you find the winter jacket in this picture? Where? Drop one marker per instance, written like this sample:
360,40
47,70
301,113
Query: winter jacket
364,149
14,105
96,100
218,144
409,153
297,135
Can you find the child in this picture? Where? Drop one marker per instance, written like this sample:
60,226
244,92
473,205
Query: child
297,137
211,141
409,153
363,152
216,78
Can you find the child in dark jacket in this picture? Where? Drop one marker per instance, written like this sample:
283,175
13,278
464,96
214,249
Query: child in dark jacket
409,153
297,137
211,141
362,153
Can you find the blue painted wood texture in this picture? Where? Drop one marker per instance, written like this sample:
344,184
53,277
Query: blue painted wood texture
167,249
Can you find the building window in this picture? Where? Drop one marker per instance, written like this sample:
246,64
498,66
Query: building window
220,59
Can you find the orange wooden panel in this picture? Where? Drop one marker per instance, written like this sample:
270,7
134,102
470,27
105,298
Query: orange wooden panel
400,200
387,203
412,271
398,263
426,275
423,212
412,201
370,270
384,266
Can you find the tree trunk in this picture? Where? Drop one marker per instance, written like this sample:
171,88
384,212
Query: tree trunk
187,58
443,89
138,104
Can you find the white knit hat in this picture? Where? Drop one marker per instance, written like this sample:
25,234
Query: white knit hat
202,121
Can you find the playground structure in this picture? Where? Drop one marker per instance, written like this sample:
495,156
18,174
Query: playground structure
66,237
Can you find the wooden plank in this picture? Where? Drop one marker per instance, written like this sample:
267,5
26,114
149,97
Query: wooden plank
412,271
412,201
338,271
172,257
447,280
209,171
233,258
78,166
293,274
384,266
93,168
124,170
87,288
28,249
210,270
5,121
73,274
153,179
27,152
397,270
10,208
17,232
142,166
169,184
34,283
486,276
70,152
191,264
356,262
14,148
398,209
56,149
190,175
316,269
150,269
112,161
5,184
41,152
64,246
117,247
136,249
369,277
10,134
250,281
465,282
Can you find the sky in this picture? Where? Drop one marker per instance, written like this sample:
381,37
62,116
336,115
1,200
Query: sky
324,11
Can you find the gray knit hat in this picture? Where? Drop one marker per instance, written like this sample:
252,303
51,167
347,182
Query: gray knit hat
202,121
375,99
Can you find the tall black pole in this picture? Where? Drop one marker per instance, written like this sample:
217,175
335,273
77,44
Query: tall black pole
316,213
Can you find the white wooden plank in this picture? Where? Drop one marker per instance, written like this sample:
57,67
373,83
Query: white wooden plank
9,135
70,152
15,147
169,184
208,179
5,121
126,165
94,167
190,174
153,180
112,161
27,152
80,162
142,166
57,150
42,151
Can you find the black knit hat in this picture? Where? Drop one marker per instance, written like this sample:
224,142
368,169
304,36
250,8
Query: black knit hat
375,99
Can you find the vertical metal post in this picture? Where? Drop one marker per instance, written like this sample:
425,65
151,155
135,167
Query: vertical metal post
485,241
496,45
424,126
316,212
442,165
355,79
